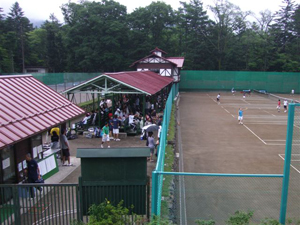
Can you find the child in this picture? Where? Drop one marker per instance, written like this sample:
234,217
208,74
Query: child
105,137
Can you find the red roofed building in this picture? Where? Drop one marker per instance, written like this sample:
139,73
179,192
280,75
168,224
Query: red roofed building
158,63
28,108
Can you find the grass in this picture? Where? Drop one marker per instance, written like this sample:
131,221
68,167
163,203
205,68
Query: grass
169,161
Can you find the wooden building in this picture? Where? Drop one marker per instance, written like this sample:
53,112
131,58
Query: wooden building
158,63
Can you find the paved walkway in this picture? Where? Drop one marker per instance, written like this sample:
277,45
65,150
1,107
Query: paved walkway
70,174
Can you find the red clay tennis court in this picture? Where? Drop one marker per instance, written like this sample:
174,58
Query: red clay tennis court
214,142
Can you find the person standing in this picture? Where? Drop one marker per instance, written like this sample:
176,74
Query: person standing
33,173
218,98
151,145
65,148
105,135
240,116
54,140
285,103
116,124
278,105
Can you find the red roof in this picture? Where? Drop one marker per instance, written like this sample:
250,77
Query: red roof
146,81
177,60
153,54
29,107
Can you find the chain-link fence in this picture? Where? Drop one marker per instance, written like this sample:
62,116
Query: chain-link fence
293,206
217,196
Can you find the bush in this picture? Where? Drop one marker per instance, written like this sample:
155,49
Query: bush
107,214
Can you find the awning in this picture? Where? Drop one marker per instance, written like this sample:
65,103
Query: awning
133,82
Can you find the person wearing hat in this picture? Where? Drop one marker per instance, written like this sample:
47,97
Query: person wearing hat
118,114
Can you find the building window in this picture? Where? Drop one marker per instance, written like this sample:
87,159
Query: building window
155,70
36,143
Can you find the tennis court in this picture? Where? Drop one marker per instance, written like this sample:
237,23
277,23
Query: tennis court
214,142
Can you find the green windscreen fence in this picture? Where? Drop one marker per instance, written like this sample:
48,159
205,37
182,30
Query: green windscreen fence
278,82
61,78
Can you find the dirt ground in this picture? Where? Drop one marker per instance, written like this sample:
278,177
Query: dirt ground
214,142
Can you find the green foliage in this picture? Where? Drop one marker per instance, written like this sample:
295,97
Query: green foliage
102,36
159,221
106,214
205,222
240,218
269,222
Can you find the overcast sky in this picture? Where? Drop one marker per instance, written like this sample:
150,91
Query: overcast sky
41,9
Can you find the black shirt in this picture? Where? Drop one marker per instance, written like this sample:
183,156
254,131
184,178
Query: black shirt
32,169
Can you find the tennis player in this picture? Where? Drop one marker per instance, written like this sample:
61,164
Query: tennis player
240,116
278,105
218,98
285,103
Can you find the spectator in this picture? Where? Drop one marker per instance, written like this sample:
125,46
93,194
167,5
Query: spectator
105,135
54,140
33,173
151,145
116,124
65,148
131,121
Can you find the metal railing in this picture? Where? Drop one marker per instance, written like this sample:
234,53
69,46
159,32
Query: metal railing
43,204
53,204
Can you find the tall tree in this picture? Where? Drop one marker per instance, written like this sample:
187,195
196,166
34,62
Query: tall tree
4,55
21,25
152,26
195,26
97,35
54,47
224,15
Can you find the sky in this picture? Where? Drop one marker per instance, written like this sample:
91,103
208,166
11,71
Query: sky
37,10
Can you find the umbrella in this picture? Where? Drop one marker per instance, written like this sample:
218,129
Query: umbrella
151,127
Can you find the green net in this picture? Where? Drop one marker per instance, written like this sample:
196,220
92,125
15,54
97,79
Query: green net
276,82
275,97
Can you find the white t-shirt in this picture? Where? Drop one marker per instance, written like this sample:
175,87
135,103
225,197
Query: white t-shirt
218,96
285,102
131,119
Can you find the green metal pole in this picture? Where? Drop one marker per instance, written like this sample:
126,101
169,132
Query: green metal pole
154,193
287,162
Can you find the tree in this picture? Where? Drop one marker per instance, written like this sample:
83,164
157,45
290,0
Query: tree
54,47
96,36
194,27
4,55
224,14
151,26
20,25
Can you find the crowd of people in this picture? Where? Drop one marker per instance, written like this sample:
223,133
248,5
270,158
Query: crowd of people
128,114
